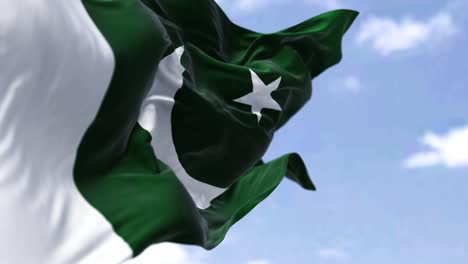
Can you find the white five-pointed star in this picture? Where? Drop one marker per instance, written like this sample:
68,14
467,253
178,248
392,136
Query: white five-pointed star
261,96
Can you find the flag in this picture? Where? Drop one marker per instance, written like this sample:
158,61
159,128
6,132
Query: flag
128,123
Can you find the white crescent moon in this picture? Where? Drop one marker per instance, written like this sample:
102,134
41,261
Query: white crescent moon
155,117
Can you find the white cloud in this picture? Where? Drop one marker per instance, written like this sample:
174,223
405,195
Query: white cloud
167,253
450,150
332,254
259,261
387,35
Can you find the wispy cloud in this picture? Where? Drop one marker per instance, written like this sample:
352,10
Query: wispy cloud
259,261
450,150
332,253
252,5
352,84
167,253
387,35
326,4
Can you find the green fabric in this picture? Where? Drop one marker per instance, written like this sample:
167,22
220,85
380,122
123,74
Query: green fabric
218,141
250,190
138,42
147,204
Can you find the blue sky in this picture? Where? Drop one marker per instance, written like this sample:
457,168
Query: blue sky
385,138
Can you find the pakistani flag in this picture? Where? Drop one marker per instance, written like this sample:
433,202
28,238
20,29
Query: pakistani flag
128,123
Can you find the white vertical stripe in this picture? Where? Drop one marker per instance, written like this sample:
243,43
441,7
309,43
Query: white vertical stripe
55,67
